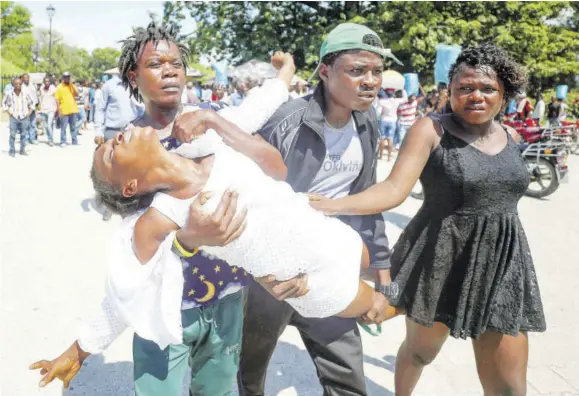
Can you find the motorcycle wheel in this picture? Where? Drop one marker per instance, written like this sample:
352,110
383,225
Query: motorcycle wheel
544,174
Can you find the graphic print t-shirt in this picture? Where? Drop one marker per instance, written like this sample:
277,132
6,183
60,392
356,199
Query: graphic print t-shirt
342,164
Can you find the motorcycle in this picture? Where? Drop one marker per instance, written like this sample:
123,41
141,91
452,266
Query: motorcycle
547,166
532,132
545,153
570,131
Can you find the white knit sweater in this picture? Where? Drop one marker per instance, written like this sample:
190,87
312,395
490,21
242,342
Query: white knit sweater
110,321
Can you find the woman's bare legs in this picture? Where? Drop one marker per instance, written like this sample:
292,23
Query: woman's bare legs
419,349
501,362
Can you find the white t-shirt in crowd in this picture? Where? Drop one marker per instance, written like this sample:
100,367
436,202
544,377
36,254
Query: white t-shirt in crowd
343,162
389,108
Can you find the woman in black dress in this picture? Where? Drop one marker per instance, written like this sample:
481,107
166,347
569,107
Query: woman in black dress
462,266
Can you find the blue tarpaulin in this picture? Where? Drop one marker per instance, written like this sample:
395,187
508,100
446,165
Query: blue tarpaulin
562,91
220,69
411,83
445,56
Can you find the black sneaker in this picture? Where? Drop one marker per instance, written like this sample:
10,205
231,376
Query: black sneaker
24,153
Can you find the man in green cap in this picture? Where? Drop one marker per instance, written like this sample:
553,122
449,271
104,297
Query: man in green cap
329,142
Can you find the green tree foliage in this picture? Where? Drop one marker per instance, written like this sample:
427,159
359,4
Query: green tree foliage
18,50
240,31
531,31
17,40
103,59
79,62
29,50
15,20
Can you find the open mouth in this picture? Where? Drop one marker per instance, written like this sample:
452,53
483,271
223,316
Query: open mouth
475,109
369,97
171,88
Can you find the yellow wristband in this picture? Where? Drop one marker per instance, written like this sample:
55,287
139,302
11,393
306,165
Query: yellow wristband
184,252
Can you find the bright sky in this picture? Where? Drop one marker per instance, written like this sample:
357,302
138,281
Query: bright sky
92,24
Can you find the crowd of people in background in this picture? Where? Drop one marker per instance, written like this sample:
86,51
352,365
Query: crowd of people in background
74,104
37,109
397,111
232,94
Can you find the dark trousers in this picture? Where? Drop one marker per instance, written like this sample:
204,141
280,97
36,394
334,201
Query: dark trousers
21,127
70,120
334,345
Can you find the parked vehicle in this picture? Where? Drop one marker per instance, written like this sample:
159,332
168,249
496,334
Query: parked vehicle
532,132
547,166
545,152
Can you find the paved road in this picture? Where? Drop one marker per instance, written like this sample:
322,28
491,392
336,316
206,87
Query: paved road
54,245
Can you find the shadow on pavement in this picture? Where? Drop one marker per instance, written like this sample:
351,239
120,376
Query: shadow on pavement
400,221
115,379
103,379
387,363
292,367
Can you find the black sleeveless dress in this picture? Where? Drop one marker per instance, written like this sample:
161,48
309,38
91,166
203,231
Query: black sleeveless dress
464,259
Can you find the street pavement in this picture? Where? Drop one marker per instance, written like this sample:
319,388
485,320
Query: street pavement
53,252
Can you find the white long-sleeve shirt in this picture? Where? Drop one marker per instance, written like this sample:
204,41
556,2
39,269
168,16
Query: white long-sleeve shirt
539,111
163,324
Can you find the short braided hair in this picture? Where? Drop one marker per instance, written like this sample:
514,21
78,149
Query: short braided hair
510,73
133,47
113,199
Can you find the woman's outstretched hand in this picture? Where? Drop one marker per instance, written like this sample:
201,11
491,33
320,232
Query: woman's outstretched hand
322,204
65,367
191,125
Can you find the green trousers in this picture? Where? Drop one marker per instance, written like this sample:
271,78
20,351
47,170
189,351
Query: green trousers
211,348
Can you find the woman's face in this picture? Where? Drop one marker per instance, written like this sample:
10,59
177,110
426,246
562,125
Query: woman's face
476,94
160,74
125,160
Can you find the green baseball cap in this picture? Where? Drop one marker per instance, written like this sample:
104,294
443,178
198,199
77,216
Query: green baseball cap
352,36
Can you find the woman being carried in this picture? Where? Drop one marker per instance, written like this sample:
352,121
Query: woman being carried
283,237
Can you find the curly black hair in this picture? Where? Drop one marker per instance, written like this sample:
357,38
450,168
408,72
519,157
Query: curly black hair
133,47
512,75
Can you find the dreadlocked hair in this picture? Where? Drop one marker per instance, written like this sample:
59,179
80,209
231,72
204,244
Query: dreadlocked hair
510,73
133,47
113,199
